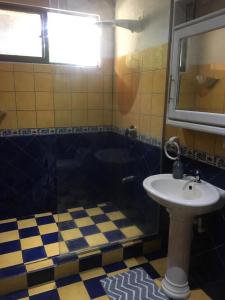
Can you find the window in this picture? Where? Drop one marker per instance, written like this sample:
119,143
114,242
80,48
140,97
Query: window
73,39
49,37
21,35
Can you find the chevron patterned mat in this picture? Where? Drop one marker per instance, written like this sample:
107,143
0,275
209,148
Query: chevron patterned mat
135,284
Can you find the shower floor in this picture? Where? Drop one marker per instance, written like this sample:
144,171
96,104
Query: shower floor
47,235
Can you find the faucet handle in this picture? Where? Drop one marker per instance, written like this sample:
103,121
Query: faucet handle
195,173
197,176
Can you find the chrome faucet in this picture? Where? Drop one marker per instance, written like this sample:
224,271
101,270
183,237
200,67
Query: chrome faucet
196,179
196,175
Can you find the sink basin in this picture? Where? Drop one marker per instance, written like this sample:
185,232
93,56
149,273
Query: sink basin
184,199
195,198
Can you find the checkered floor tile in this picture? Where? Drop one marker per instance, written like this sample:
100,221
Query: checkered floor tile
86,285
46,235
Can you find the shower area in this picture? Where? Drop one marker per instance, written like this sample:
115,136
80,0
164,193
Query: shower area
79,133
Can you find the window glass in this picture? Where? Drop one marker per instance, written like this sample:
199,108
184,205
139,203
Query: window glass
73,39
20,33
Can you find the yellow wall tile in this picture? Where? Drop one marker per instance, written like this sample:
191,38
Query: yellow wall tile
158,104
44,101
79,118
159,81
66,269
107,66
79,82
219,147
135,62
42,68
79,101
145,105
25,100
95,82
136,103
9,121
45,119
170,131
24,82
117,65
5,66
42,288
127,83
95,100
147,59
157,58
112,256
26,119
62,118
7,101
108,84
6,81
63,69
108,101
62,101
43,82
146,82
62,83
164,55
13,283
34,85
186,137
34,266
23,67
156,127
204,142
144,124
107,117
95,117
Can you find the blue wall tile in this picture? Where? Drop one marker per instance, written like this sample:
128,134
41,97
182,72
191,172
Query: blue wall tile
40,173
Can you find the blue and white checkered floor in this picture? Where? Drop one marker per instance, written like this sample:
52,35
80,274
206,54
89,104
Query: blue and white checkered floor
47,235
86,285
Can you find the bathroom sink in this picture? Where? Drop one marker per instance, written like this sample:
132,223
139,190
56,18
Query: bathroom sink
195,198
184,199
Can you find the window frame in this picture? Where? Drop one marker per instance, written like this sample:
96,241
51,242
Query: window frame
44,34
72,13
43,12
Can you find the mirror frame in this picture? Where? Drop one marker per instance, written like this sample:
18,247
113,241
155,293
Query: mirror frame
196,120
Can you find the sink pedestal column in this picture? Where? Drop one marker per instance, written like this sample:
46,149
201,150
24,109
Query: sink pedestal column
175,283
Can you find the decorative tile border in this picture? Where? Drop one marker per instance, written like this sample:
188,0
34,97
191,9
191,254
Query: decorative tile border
216,161
49,131
140,137
73,130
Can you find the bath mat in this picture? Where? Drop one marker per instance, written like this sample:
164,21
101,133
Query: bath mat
135,284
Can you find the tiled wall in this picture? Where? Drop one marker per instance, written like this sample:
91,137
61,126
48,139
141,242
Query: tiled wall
199,97
139,91
43,96
212,144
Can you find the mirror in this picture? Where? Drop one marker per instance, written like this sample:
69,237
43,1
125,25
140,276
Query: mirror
202,72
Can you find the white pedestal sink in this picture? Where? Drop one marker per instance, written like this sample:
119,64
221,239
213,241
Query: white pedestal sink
184,199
